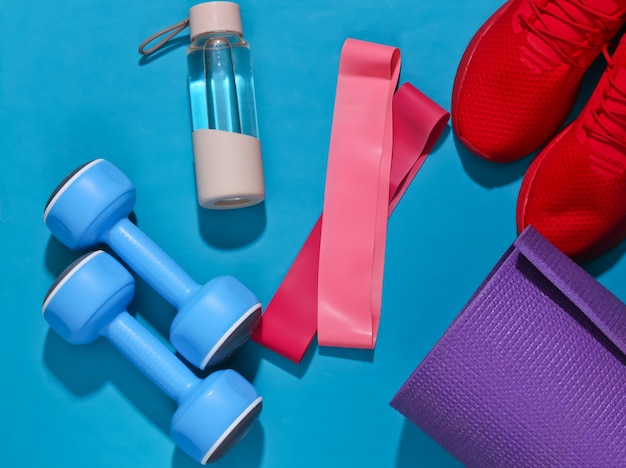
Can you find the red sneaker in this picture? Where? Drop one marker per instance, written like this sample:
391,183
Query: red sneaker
521,73
574,192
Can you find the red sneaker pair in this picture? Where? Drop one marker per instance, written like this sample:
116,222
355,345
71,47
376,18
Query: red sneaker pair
517,83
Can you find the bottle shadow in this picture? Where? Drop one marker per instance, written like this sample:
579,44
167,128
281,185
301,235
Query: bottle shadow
230,229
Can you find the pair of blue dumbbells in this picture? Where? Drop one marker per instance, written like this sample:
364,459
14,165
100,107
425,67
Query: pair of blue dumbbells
89,299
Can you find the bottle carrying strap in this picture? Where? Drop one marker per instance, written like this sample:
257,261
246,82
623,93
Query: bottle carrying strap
173,30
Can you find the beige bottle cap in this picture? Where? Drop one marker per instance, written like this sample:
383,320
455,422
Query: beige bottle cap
213,17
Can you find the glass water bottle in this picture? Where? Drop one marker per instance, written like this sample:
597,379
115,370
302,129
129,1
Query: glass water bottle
227,149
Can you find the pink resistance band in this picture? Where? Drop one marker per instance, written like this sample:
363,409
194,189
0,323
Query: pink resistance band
378,143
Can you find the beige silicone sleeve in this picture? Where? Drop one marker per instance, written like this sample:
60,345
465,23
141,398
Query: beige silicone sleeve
229,169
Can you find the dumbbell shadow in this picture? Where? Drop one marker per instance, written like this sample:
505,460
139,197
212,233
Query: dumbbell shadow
90,299
86,370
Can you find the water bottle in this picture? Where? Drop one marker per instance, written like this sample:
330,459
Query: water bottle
226,145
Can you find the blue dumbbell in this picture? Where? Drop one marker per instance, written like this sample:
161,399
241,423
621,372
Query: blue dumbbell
91,206
89,299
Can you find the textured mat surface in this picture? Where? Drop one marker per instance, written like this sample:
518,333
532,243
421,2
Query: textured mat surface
533,370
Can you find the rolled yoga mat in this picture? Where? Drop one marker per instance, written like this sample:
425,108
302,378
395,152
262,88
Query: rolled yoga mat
532,372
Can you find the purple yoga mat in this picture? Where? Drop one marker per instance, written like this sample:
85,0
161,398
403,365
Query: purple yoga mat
533,370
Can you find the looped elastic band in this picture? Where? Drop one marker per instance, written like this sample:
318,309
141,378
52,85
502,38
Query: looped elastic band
175,29
334,286
354,226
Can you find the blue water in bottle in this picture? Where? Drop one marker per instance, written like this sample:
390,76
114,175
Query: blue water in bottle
221,86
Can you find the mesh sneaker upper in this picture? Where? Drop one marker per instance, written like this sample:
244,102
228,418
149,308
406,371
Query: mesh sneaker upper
521,73
574,193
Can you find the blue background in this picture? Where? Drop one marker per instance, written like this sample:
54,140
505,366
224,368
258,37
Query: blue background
73,88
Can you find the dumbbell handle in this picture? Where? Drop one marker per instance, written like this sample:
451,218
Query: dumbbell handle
151,356
150,262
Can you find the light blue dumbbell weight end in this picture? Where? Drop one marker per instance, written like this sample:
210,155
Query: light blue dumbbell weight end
79,222
231,404
208,339
87,296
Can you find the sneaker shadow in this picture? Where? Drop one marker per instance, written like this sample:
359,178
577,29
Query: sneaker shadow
491,174
605,262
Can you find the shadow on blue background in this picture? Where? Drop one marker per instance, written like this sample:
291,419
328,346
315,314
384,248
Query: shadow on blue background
296,369
59,257
490,174
363,355
86,368
416,445
605,262
230,229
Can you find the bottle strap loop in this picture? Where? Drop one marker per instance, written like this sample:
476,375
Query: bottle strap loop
173,30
